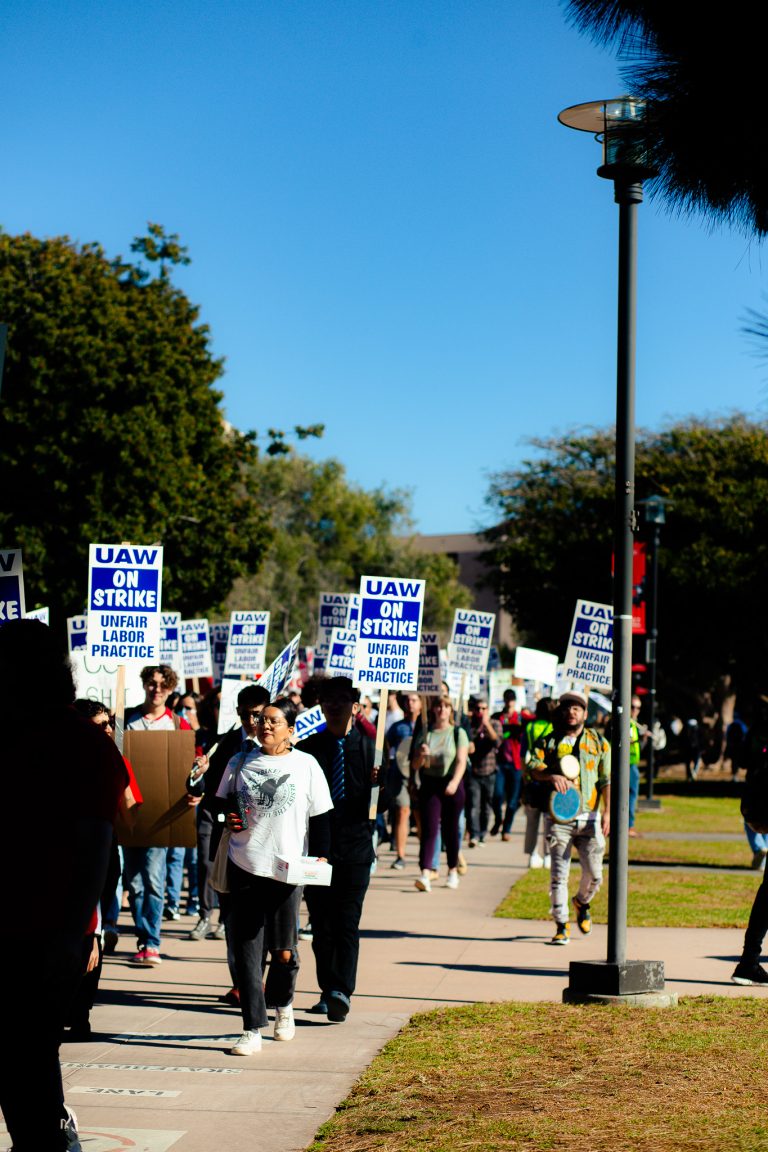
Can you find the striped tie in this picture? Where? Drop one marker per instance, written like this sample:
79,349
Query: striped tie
337,774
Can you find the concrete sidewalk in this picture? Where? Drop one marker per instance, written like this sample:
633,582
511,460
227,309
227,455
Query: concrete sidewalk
156,1075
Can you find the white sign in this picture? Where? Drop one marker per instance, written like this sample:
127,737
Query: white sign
471,640
308,722
589,658
41,614
332,614
341,654
532,664
77,627
230,690
430,679
454,678
281,669
170,645
387,652
94,680
247,646
11,585
124,598
219,640
499,680
196,648
352,622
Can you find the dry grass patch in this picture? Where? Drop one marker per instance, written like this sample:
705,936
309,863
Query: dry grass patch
656,898
535,1077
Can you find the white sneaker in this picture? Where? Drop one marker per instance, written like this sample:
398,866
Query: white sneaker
69,1126
248,1043
285,1025
548,862
535,860
424,884
453,879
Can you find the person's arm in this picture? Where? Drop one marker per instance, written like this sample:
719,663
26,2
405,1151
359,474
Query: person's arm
459,769
319,835
605,797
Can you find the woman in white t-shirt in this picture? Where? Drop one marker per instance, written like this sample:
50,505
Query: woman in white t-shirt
277,801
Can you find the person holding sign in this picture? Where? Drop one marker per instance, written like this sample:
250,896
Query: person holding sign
441,763
346,756
573,765
277,798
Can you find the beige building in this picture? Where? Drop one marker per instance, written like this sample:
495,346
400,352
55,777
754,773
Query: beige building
466,549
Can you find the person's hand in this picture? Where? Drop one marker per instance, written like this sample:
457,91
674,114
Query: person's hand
450,788
201,765
560,783
193,801
606,823
93,959
234,822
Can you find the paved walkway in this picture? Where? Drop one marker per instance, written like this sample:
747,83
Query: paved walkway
157,1076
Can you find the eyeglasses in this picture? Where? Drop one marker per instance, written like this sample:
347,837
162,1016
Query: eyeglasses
271,721
249,713
104,723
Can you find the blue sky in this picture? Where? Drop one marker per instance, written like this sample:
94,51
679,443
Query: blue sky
390,231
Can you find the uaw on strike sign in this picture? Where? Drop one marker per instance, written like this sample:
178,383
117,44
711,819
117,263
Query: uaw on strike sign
124,593
388,643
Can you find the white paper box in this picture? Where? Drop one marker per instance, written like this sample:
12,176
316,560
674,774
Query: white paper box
303,870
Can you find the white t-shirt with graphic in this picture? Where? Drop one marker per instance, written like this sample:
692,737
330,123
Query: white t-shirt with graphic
281,793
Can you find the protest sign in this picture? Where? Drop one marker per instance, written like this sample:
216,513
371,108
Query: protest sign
124,597
161,762
11,585
332,613
281,669
470,641
499,680
430,680
94,679
533,664
461,684
219,640
230,690
76,630
170,645
352,622
589,657
41,614
387,651
308,722
247,645
196,648
341,654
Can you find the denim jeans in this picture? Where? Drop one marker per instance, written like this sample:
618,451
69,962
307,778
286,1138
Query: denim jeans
634,789
758,841
506,798
144,877
178,859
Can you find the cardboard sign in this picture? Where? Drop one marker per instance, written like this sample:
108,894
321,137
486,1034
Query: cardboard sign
11,585
77,627
124,594
430,679
219,640
247,646
230,690
387,651
95,679
170,644
533,664
308,722
196,648
41,614
589,658
470,642
341,654
162,762
281,669
332,613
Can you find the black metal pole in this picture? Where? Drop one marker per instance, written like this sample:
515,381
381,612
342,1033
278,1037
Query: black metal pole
650,654
628,195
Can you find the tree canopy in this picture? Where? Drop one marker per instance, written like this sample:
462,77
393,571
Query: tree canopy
553,542
700,73
326,534
111,427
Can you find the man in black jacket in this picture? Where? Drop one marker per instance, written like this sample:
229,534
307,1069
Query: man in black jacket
347,758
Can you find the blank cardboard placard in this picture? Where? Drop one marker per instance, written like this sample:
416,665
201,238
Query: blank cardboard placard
162,762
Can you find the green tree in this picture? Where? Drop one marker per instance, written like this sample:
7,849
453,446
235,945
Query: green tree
700,74
111,427
326,534
553,542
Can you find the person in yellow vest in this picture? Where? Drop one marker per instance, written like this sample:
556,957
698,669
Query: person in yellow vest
636,738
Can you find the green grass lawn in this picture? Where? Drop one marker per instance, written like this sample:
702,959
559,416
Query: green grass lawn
692,814
541,1077
715,853
674,898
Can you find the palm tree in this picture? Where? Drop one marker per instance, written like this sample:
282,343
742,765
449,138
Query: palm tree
702,77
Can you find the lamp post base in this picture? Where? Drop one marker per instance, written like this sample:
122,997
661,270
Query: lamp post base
635,982
646,805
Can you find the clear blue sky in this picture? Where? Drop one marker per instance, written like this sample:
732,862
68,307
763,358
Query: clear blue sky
390,231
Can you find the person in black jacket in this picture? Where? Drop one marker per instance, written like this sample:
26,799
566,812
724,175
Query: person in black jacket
346,756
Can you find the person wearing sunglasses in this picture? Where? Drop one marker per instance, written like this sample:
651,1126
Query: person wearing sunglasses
276,800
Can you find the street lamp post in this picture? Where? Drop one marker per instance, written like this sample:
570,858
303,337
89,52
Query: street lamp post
618,125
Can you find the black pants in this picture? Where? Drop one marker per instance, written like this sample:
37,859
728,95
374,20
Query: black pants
206,895
335,916
480,793
263,913
757,926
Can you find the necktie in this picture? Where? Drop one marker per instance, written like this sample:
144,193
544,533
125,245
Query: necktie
337,773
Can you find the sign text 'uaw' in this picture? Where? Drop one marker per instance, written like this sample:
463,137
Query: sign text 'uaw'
387,650
11,585
124,602
589,659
